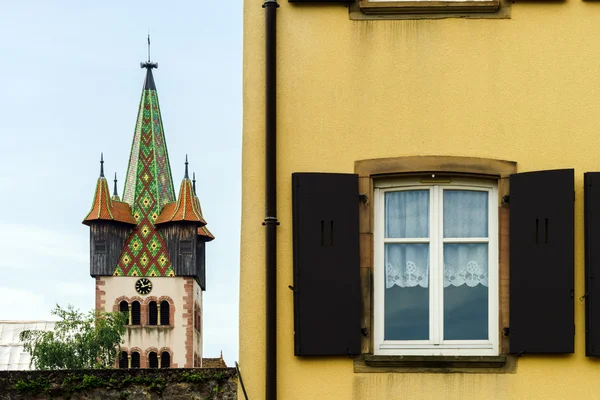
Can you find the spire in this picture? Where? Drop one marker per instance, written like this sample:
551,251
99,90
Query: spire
194,183
149,173
101,165
148,188
186,176
115,195
149,65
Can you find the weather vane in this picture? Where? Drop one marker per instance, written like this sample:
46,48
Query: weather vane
148,64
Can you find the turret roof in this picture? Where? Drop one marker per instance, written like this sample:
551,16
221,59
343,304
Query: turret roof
106,209
186,208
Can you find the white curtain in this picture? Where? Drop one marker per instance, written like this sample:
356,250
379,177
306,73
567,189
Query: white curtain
465,216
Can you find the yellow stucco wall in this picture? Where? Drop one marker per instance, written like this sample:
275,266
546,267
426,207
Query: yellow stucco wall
525,89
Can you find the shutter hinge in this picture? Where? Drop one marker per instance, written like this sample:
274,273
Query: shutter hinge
293,289
364,332
505,200
505,331
363,198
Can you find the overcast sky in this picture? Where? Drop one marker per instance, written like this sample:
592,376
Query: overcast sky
70,88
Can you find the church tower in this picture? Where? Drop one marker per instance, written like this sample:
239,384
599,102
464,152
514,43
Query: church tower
147,251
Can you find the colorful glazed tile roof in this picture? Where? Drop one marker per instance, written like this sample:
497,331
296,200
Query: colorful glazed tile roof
149,197
148,187
185,209
106,209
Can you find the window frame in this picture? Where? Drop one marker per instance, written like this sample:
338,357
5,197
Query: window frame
435,345
369,170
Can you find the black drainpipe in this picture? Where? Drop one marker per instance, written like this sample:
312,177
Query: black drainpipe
271,222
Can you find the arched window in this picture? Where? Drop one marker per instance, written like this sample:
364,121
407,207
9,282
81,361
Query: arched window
152,360
164,313
135,313
123,362
165,360
124,308
135,359
152,313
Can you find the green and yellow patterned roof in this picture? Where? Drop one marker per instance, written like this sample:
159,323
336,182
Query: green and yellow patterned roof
148,187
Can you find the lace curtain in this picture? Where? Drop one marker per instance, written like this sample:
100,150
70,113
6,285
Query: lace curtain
407,216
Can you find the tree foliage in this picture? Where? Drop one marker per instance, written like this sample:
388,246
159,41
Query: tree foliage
79,341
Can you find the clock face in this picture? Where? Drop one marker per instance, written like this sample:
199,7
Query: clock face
143,286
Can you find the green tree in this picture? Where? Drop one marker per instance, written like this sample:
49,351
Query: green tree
79,341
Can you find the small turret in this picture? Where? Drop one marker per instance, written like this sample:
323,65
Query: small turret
110,221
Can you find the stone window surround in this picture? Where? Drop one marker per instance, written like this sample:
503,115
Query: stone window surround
144,355
407,166
144,309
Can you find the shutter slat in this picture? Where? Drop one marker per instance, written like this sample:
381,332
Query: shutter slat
541,262
327,297
592,262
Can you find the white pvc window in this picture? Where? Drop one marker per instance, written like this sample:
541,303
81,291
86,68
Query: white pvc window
436,267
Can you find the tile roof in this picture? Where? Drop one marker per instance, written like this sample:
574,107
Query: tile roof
213,363
148,188
184,209
106,209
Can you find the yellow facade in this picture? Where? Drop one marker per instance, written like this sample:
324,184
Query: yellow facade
525,89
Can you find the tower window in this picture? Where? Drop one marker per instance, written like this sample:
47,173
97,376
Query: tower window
164,312
123,362
153,360
152,313
124,308
165,360
135,359
185,247
135,313
99,246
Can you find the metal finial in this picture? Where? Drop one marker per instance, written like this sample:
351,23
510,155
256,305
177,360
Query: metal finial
186,168
194,182
115,189
148,64
101,165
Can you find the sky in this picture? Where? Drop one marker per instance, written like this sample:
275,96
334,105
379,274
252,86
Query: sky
71,82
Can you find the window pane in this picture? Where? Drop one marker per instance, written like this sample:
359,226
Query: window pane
466,292
465,213
406,315
407,214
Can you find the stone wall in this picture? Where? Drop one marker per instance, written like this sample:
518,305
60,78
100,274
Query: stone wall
119,384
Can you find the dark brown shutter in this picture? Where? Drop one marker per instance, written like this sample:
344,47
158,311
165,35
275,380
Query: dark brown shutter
152,313
592,263
541,262
327,297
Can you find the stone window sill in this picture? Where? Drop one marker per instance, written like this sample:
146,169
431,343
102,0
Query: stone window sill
150,326
433,364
